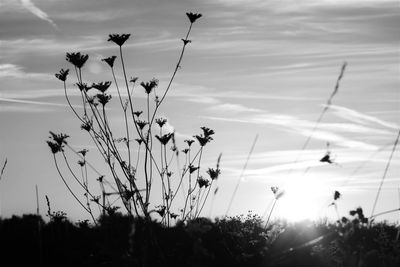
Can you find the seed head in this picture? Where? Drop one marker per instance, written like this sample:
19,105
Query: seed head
101,86
119,39
149,86
62,75
110,60
77,59
193,16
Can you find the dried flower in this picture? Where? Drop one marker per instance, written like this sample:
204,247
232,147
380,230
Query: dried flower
192,168
137,113
185,41
81,163
141,124
161,210
203,140
87,126
186,150
336,195
102,86
83,152
149,86
103,98
173,215
189,142
77,59
119,39
100,179
203,182
59,138
133,79
83,86
207,131
213,173
62,75
139,141
326,158
110,60
165,138
55,148
161,122
193,16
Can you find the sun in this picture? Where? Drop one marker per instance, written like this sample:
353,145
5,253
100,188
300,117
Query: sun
304,199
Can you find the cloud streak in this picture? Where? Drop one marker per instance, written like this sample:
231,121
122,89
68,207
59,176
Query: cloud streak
30,6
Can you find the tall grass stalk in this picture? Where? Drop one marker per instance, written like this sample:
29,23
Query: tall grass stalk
384,174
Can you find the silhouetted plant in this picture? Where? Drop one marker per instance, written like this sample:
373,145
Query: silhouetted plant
133,188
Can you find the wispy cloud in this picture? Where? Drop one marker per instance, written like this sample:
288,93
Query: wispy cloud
11,70
29,5
233,108
358,117
30,102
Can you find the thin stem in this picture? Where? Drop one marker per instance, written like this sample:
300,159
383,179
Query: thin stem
385,172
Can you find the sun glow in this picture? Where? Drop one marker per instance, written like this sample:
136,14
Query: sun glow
303,199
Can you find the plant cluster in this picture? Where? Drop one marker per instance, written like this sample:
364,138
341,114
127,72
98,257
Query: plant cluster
142,157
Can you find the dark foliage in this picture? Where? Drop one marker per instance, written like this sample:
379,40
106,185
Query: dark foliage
119,240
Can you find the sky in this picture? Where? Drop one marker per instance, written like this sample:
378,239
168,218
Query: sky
254,68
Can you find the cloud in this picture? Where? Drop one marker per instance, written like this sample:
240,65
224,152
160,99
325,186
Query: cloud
332,132
30,102
233,108
30,6
11,70
358,117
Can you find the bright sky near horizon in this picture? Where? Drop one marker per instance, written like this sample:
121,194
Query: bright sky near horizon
263,67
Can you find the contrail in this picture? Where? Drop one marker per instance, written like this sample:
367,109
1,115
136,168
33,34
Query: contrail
30,6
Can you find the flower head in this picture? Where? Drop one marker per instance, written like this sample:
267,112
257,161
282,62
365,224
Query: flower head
119,39
133,79
83,152
81,163
110,60
83,86
59,138
57,144
189,142
55,148
87,126
140,141
336,195
186,41
141,124
193,16
137,113
326,158
165,138
173,215
186,150
192,168
77,59
203,140
203,182
207,131
103,98
62,75
213,173
161,122
101,86
149,86
161,210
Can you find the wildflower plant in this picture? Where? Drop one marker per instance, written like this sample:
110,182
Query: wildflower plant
134,173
